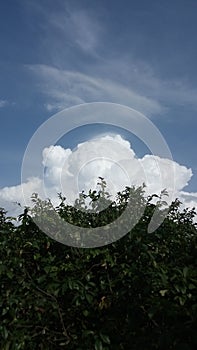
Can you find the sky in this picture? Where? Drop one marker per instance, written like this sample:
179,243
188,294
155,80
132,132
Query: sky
58,54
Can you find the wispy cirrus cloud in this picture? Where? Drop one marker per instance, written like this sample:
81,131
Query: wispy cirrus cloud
70,26
65,88
138,88
79,28
141,77
117,75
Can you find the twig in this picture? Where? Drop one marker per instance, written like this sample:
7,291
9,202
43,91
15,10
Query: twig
58,308
95,265
56,301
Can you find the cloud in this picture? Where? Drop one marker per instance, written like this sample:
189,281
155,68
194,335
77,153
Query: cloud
10,196
175,92
134,85
140,76
75,27
84,31
188,199
69,32
110,156
3,103
65,88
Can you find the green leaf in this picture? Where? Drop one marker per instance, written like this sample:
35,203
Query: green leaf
105,338
85,313
163,292
41,279
185,271
191,286
89,298
98,345
10,274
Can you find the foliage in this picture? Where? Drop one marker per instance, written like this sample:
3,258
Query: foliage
137,293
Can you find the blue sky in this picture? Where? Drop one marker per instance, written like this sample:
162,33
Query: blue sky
56,54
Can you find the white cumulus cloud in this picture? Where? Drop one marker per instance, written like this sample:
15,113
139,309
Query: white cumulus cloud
110,156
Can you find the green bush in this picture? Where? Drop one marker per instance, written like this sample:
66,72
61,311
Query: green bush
137,293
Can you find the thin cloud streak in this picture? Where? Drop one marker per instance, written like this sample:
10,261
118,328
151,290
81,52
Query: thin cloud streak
140,89
141,78
65,88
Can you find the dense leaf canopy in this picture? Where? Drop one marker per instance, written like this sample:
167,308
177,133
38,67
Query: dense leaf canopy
139,292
